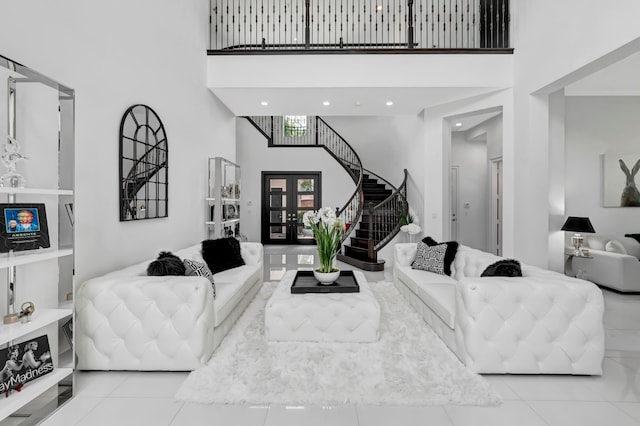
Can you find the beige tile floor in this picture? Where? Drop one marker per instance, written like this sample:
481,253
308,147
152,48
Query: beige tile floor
124,398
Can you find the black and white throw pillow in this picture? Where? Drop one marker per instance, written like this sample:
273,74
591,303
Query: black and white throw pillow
450,255
430,258
199,269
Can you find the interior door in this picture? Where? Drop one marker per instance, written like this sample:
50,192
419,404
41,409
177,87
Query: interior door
286,198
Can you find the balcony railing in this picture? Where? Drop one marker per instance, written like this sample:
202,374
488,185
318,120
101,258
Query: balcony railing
262,26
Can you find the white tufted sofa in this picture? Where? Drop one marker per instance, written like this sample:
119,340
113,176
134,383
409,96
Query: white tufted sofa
614,262
541,323
126,320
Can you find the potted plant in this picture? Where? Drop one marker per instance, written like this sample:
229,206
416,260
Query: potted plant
408,225
327,231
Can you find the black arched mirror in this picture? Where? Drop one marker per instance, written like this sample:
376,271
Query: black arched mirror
143,165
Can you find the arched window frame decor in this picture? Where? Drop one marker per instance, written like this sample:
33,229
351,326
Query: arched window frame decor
144,172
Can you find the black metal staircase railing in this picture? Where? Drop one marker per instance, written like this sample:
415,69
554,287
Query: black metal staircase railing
272,25
319,133
141,172
385,216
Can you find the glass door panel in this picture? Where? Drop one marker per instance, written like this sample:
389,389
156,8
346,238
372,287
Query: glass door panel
277,209
288,196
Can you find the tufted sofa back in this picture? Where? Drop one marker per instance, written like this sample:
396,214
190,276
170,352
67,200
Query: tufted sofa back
470,262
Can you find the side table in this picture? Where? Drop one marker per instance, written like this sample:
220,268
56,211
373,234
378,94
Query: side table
568,263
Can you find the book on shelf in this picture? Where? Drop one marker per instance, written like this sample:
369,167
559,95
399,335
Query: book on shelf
24,362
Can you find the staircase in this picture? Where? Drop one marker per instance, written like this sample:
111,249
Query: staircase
372,213
379,223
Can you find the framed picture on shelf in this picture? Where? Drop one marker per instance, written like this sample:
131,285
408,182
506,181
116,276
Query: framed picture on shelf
24,362
67,329
69,207
23,226
229,212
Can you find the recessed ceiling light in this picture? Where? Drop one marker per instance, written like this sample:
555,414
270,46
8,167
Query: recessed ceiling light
458,124
326,103
379,7
264,103
389,103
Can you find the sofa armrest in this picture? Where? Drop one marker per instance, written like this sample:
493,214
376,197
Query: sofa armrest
144,323
252,253
614,270
531,325
404,253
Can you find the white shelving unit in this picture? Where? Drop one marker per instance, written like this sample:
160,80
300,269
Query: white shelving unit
223,199
41,118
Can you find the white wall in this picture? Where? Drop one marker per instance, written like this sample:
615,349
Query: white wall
115,54
254,156
597,126
553,39
553,50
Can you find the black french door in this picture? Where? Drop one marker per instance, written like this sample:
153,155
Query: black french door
286,196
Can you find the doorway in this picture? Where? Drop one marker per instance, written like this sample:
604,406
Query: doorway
455,201
286,197
496,206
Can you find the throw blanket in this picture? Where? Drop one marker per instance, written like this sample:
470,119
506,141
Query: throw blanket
634,236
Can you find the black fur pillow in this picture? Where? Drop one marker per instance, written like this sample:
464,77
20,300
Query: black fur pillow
167,263
503,268
450,254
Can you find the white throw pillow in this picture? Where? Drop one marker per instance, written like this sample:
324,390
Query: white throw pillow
615,247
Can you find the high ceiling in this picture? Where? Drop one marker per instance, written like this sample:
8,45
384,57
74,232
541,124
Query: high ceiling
342,101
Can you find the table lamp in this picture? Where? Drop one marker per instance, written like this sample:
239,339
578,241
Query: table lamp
577,225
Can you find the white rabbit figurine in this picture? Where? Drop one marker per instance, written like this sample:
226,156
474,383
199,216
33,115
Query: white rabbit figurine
630,195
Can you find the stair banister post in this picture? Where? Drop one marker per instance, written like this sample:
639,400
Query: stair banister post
410,24
371,236
307,27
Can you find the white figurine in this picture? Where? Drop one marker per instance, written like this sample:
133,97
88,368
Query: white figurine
10,156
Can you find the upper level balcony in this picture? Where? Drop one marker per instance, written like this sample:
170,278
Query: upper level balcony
358,26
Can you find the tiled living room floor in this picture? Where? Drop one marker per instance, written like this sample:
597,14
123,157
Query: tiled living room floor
125,398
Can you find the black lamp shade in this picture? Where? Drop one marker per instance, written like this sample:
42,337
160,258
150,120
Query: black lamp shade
578,224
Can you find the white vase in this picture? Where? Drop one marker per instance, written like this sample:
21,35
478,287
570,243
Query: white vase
326,278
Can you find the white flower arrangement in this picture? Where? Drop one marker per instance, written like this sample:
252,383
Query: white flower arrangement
327,230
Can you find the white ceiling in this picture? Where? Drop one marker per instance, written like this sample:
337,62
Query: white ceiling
343,101
471,121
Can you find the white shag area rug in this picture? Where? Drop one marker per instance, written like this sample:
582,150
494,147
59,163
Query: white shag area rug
409,365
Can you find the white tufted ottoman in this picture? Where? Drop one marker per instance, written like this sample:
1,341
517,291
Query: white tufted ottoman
326,317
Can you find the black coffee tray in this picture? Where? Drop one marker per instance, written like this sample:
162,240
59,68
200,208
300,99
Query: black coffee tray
305,282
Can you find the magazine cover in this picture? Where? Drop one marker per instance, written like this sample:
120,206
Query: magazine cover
24,362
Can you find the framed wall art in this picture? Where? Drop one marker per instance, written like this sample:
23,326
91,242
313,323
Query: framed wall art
620,172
